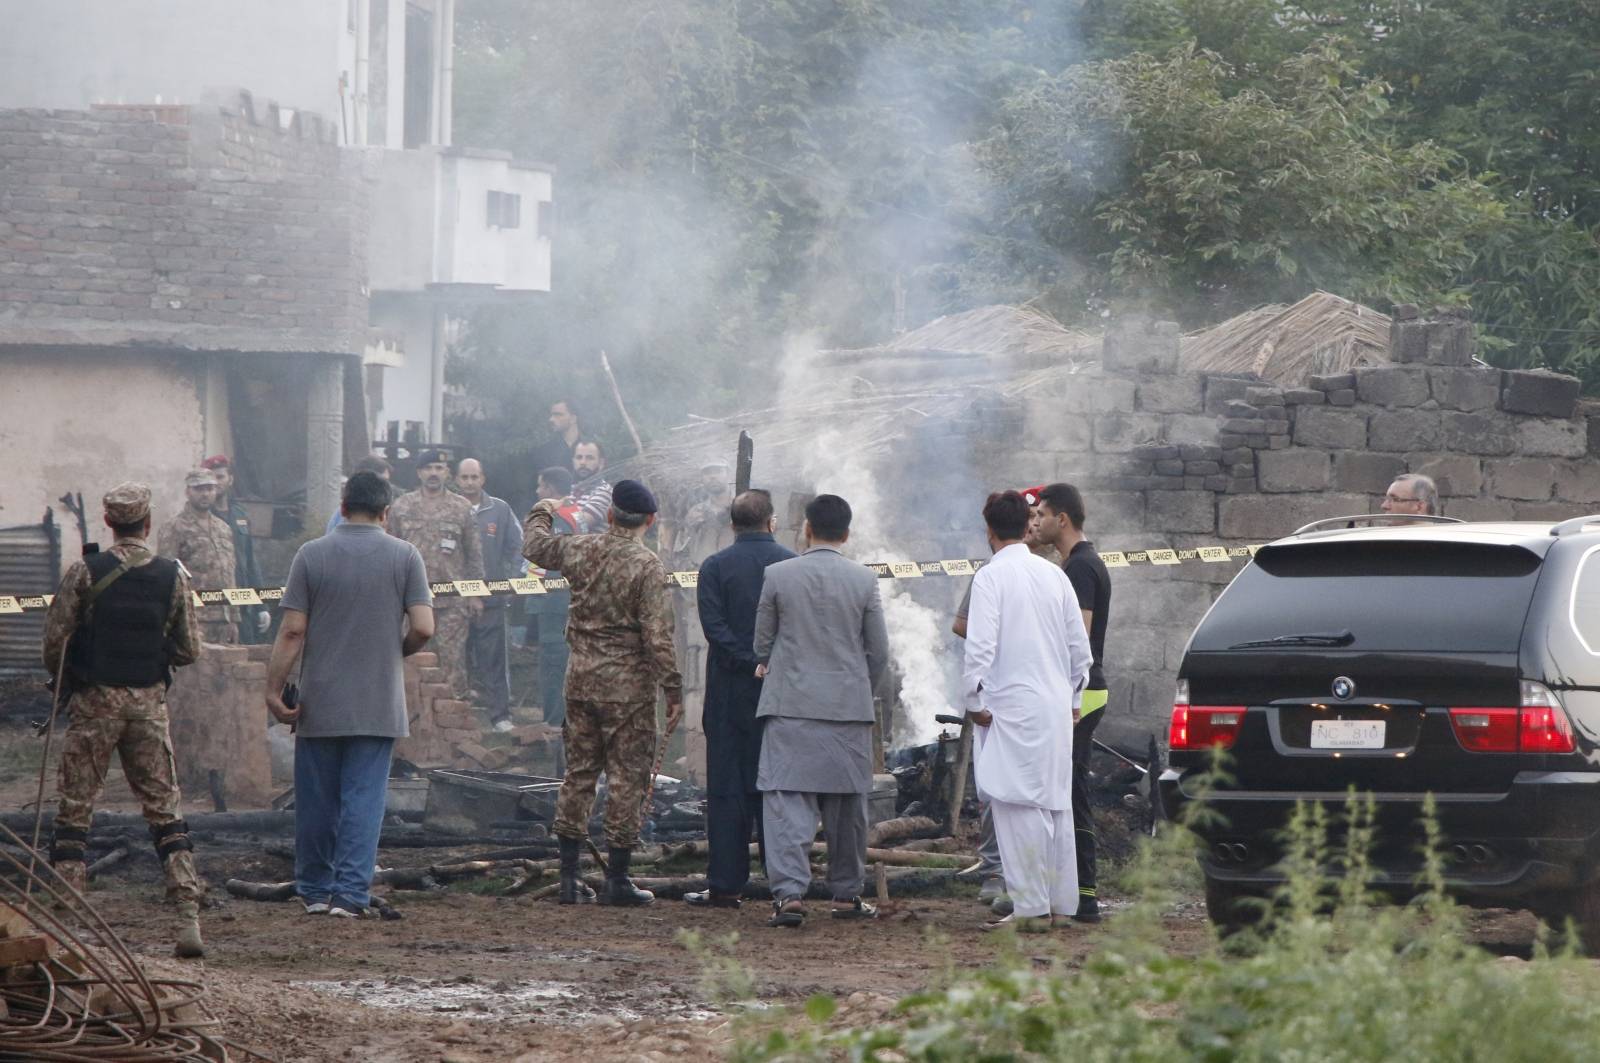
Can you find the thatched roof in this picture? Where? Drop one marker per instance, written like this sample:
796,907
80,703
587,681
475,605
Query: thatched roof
1322,333
1020,336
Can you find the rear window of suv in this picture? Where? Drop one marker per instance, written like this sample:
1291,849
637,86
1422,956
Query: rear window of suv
1390,596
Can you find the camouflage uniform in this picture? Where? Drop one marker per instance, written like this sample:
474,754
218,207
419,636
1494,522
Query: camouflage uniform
204,543
445,532
130,720
705,531
247,573
619,632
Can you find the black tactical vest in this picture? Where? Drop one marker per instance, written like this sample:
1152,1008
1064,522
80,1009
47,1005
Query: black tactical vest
122,639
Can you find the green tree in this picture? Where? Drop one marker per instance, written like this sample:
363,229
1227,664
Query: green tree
1173,185
1509,86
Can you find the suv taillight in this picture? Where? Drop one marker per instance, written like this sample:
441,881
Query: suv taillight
1538,725
1202,726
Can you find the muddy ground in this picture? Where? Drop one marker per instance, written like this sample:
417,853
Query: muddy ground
468,976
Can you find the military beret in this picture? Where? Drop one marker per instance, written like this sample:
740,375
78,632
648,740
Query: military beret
217,461
429,457
200,478
127,503
631,496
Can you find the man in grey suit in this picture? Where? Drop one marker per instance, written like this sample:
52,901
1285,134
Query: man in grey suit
822,647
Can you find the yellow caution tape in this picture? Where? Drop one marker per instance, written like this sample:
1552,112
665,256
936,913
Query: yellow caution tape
477,588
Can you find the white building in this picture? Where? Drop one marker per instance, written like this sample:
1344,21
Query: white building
448,226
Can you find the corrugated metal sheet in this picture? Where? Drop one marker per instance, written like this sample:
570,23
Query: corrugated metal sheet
29,557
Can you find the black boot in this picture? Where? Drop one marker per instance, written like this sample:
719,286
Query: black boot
620,890
573,890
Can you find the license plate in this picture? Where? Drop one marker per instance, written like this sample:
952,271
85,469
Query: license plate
1347,734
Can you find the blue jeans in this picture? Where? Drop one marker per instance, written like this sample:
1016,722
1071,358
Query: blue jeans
340,787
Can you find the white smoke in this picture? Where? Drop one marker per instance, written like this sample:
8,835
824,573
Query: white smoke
923,649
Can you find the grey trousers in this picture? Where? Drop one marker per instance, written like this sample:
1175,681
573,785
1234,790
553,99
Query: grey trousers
789,819
988,846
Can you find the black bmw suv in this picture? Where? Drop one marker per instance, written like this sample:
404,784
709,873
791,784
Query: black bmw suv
1461,660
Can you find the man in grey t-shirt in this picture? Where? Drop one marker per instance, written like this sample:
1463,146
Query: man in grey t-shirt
357,602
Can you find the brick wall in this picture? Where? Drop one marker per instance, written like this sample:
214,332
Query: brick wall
193,228
1168,459
219,723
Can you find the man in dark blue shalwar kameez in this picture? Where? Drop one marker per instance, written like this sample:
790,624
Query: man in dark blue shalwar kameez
728,593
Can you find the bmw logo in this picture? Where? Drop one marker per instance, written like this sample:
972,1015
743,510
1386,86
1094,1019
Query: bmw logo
1344,688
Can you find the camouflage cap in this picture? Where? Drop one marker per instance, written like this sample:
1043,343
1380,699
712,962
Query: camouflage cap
127,503
201,478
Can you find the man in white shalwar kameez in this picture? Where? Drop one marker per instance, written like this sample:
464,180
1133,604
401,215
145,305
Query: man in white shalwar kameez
1027,660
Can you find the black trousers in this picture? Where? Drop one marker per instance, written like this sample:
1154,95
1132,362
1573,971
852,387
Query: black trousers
1082,811
731,820
733,756
486,660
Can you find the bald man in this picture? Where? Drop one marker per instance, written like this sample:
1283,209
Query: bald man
501,535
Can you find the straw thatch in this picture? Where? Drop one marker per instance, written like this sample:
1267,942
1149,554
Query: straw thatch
1020,336
1285,345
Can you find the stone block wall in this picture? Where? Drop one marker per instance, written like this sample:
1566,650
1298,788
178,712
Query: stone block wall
1181,460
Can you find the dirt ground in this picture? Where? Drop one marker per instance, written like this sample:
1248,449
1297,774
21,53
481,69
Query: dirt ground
466,977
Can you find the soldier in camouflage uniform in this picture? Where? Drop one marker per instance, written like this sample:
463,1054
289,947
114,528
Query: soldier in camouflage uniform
619,632
119,622
254,621
442,528
203,543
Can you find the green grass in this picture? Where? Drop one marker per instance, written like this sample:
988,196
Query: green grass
1328,977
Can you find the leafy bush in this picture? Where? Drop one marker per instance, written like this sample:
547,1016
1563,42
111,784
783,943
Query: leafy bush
1327,976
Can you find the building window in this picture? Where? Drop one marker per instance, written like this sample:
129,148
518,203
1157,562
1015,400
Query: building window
505,210
546,219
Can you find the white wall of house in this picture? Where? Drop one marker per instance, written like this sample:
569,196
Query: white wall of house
431,222
474,247
407,387
86,421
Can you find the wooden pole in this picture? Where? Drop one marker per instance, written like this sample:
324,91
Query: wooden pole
616,393
743,463
958,790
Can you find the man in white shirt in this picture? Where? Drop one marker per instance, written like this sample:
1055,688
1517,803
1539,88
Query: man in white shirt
1027,659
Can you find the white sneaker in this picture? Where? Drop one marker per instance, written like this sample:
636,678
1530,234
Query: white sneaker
316,907
504,725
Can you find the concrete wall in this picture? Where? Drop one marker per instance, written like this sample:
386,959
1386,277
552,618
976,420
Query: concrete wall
471,250
430,221
86,420
69,54
407,389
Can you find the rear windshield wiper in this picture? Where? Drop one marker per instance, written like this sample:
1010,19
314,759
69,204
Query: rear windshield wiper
1331,638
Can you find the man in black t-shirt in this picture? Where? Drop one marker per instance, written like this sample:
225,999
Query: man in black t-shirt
1060,521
